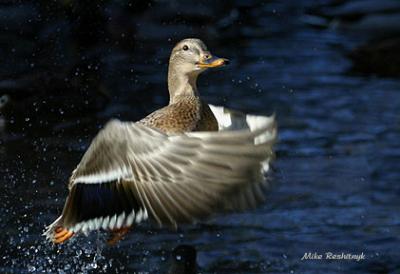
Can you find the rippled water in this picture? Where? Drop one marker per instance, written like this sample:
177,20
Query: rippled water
336,179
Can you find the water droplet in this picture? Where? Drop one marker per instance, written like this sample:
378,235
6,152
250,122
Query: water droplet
93,265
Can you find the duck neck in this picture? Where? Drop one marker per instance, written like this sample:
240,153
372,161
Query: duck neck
181,84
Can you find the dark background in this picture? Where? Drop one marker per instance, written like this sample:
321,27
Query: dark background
329,69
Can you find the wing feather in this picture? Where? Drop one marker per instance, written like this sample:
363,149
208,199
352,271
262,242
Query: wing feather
174,178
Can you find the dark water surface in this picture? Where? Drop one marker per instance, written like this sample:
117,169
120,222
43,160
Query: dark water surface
336,175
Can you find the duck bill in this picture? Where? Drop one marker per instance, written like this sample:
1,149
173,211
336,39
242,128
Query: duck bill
213,62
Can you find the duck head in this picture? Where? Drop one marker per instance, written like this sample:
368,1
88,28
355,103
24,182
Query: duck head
188,59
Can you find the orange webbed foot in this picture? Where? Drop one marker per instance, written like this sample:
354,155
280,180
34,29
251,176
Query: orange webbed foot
117,235
61,235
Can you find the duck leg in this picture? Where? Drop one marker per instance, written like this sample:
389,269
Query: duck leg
117,234
61,235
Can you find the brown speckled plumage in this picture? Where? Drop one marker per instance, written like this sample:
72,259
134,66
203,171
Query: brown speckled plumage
186,112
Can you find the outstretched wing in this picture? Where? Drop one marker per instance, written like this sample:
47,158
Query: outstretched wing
130,170
251,194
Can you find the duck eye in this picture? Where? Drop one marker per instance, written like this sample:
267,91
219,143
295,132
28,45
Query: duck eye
185,47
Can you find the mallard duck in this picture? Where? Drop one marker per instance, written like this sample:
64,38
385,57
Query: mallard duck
180,164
